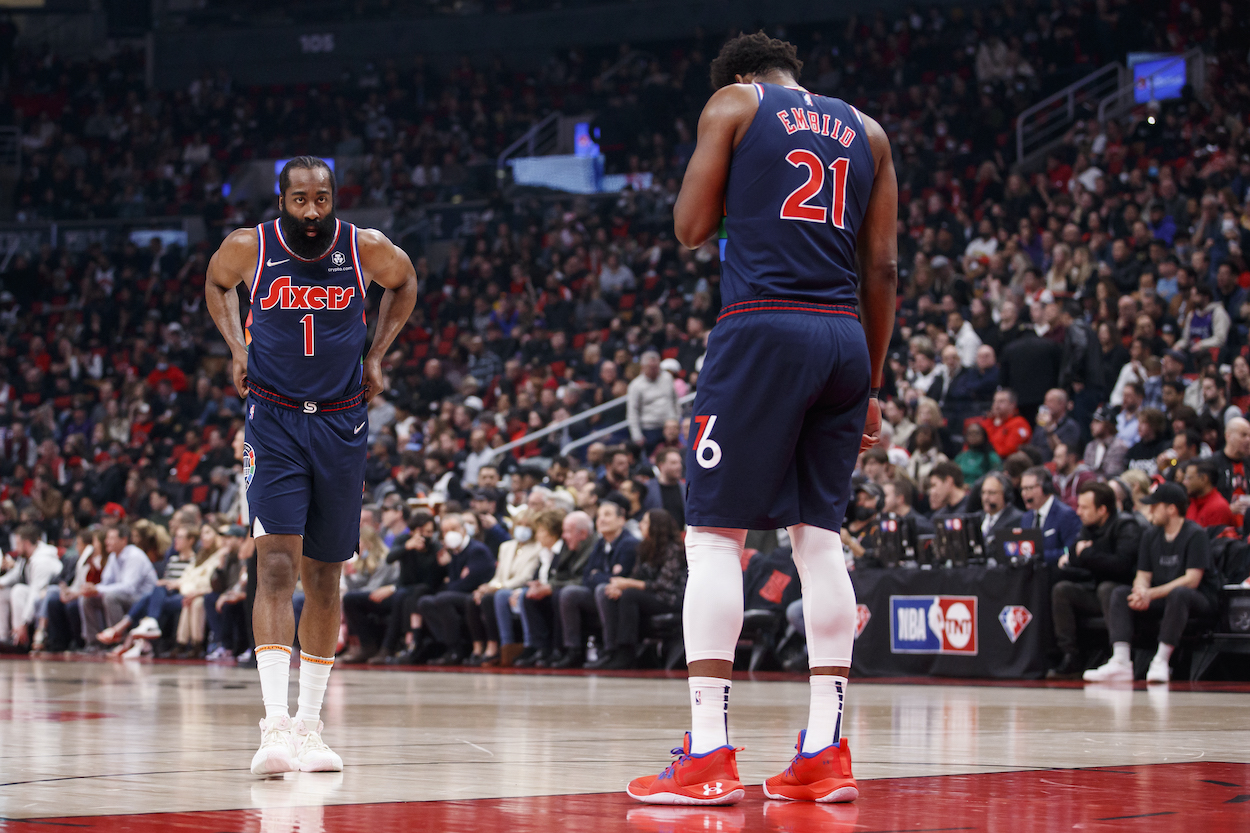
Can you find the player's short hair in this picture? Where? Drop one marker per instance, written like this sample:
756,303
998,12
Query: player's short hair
753,54
308,163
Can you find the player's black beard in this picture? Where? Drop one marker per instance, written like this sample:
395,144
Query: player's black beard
296,233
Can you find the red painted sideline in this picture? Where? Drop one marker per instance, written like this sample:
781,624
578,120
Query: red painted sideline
1205,796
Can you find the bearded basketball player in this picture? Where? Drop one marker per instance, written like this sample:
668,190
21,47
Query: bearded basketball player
803,190
300,362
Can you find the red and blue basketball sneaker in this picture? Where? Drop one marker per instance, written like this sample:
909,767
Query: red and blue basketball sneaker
823,776
707,779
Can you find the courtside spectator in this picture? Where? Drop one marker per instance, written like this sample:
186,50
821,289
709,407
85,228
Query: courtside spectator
1174,582
1104,558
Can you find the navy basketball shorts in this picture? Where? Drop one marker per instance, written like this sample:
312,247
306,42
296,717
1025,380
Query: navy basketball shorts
778,419
305,474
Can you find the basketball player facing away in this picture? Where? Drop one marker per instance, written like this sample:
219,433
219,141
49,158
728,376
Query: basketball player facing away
300,363
787,396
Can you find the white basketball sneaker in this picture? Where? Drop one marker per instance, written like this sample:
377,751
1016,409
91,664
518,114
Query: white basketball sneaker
278,750
1159,671
314,755
1114,671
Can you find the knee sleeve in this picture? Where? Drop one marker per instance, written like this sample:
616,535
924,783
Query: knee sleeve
712,612
828,596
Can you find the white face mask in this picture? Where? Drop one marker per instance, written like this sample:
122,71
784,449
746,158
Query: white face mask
453,540
523,533
470,530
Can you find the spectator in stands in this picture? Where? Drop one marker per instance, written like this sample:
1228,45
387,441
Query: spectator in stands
973,386
1055,424
859,530
614,554
947,494
1206,324
1103,559
1175,581
1071,474
194,585
1004,426
371,577
156,614
1230,462
900,497
1126,418
667,490
1152,429
539,614
1171,462
1059,524
652,402
1000,515
22,587
1082,369
469,564
1105,453
1215,401
655,585
1207,507
978,457
127,576
1028,367
925,375
518,563
925,453
420,573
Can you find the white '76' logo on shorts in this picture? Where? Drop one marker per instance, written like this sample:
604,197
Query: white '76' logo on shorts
706,450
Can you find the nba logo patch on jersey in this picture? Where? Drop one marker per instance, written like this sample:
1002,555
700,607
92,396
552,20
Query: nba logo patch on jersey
1014,619
862,615
933,625
249,464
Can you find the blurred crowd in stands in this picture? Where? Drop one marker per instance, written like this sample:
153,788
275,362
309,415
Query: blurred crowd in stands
1085,322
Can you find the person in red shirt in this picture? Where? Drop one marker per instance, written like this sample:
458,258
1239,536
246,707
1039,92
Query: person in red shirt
1207,507
1004,426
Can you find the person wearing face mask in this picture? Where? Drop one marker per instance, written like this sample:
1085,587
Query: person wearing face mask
469,564
518,561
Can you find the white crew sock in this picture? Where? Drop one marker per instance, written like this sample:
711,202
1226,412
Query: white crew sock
274,664
1164,654
1121,652
824,719
314,674
709,713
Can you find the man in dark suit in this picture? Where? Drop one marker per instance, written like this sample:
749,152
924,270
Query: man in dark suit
1060,525
668,490
1000,515
1030,366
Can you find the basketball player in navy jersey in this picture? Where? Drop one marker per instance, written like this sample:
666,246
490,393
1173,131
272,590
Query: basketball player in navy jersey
300,362
806,191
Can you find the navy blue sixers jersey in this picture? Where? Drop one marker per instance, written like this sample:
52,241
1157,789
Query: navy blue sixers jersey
798,188
306,328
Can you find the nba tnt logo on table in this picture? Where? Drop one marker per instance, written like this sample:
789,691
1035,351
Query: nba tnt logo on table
933,625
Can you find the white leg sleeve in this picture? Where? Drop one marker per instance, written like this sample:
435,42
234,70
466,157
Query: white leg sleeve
828,596
712,613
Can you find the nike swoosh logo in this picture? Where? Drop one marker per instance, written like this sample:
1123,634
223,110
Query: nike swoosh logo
277,262
358,427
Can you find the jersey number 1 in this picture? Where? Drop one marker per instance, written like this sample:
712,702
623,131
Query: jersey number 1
307,321
796,206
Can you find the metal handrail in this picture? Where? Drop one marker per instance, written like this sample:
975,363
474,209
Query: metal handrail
1068,95
609,430
562,424
528,139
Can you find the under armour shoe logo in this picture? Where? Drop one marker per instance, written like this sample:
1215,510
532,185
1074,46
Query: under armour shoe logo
714,789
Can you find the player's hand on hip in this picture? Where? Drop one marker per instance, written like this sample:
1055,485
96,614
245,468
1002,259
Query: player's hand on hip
872,426
240,375
373,381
